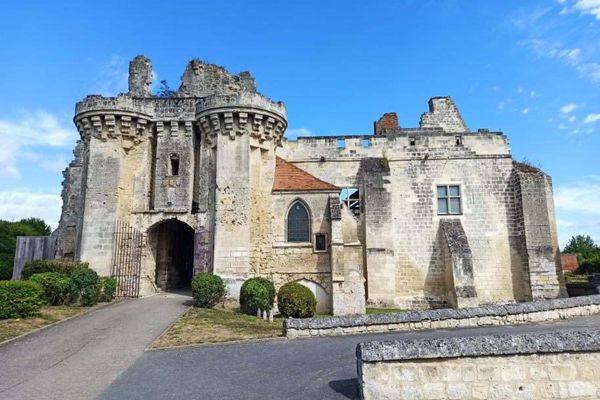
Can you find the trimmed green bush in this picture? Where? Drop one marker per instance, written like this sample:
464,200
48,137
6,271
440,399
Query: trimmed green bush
57,286
255,294
297,301
85,286
41,266
108,288
20,299
207,289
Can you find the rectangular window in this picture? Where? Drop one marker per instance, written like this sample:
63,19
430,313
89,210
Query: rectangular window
448,200
174,158
320,242
366,143
341,143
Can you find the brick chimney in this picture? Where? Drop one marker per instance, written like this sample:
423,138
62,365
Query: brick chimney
387,121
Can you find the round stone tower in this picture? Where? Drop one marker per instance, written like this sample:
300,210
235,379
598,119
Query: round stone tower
240,134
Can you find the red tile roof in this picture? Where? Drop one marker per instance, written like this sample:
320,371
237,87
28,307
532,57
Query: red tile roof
288,177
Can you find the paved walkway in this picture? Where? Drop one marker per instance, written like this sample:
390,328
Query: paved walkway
79,358
318,368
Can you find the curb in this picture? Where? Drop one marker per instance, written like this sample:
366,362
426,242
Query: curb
218,344
88,311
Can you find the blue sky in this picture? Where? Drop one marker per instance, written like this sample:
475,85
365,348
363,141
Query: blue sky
530,69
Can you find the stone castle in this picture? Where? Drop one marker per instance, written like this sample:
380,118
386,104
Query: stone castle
163,187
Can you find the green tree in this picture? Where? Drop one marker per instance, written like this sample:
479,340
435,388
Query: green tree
588,253
580,244
8,240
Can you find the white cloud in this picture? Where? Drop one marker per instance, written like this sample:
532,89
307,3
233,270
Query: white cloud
568,108
586,7
525,111
113,76
295,133
578,208
581,196
571,56
32,130
532,94
18,204
572,119
520,90
591,118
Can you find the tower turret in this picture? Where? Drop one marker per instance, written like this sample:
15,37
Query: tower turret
242,132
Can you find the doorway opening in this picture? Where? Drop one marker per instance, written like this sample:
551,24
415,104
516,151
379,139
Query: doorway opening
173,248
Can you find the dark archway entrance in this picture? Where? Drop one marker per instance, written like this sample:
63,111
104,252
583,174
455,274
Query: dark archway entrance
173,247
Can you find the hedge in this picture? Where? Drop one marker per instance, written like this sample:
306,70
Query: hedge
85,286
297,301
20,299
57,286
207,289
108,288
40,266
257,294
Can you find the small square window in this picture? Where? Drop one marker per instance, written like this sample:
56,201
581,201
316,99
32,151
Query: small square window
341,144
458,140
412,141
320,242
448,200
366,143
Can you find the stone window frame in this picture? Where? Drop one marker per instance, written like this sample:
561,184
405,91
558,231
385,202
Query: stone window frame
448,197
315,242
174,164
309,214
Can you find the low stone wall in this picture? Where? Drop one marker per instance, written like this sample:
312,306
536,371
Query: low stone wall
560,365
509,314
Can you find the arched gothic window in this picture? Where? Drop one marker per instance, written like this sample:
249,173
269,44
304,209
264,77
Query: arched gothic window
298,223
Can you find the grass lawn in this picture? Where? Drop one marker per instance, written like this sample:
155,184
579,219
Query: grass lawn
200,325
10,328
376,310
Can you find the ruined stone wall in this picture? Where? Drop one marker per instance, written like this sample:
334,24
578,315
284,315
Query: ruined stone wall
541,241
69,227
443,114
407,221
202,79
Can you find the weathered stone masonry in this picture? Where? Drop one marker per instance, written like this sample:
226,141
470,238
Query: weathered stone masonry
201,167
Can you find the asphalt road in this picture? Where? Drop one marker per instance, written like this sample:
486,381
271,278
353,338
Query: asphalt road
318,368
80,358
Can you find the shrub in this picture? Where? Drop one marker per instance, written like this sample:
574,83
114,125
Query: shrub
56,286
85,286
207,289
20,299
40,266
6,271
297,301
108,288
255,294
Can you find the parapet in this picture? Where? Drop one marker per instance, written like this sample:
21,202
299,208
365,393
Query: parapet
246,100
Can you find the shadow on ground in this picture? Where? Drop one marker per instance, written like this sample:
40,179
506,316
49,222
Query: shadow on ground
346,387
